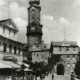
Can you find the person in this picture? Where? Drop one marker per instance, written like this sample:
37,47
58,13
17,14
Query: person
72,76
52,76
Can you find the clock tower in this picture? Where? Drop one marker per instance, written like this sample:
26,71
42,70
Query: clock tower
34,28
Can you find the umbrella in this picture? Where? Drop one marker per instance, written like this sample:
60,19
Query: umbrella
13,65
3,66
27,69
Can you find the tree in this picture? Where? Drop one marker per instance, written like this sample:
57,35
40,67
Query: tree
53,60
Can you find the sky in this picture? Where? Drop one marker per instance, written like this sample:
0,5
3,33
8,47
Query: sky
57,16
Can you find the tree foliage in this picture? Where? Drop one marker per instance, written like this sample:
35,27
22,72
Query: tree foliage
53,60
39,68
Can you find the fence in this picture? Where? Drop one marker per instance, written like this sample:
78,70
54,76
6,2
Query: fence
27,77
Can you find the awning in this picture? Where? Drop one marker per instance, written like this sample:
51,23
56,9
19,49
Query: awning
3,66
26,65
27,69
12,64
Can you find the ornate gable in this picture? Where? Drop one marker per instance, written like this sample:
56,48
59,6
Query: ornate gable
8,23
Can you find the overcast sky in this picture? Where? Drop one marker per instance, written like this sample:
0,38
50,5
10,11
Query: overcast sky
55,16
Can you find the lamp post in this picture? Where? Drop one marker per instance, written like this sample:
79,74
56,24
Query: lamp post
23,50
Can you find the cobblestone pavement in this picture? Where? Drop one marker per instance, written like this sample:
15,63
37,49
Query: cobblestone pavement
59,77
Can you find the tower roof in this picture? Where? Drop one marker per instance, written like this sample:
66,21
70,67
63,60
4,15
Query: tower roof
34,2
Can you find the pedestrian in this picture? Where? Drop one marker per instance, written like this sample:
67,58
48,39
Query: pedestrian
52,76
72,76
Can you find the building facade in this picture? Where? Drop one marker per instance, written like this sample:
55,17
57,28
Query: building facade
67,53
40,53
34,28
9,46
37,50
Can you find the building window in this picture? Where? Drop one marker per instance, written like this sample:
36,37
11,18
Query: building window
73,56
68,56
19,50
73,65
67,48
37,55
4,47
0,45
9,32
15,49
10,48
53,49
68,65
3,29
14,34
60,49
74,49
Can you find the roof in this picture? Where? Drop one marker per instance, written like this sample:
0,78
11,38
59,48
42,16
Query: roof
8,23
64,43
10,40
42,47
35,7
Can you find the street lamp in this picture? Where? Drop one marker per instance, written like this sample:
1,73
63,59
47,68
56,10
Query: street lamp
23,50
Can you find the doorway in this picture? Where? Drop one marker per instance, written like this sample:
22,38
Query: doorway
60,69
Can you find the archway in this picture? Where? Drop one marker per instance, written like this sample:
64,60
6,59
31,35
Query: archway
60,69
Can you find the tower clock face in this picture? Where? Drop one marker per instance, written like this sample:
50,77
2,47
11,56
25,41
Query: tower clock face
32,28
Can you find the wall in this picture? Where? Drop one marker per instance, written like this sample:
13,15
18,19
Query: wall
56,50
11,35
40,56
68,61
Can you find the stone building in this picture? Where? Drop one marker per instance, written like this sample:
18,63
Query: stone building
34,28
36,52
40,53
67,53
9,45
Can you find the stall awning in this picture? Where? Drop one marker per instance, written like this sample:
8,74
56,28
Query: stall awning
27,69
3,65
12,64
26,65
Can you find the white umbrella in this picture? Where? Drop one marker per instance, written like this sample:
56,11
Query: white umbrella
26,65
12,64
3,66
27,69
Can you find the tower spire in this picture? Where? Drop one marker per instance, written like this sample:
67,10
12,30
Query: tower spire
34,2
34,28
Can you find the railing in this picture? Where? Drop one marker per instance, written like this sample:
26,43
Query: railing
5,77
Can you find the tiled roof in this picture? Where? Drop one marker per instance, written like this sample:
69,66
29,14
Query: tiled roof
9,24
64,43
